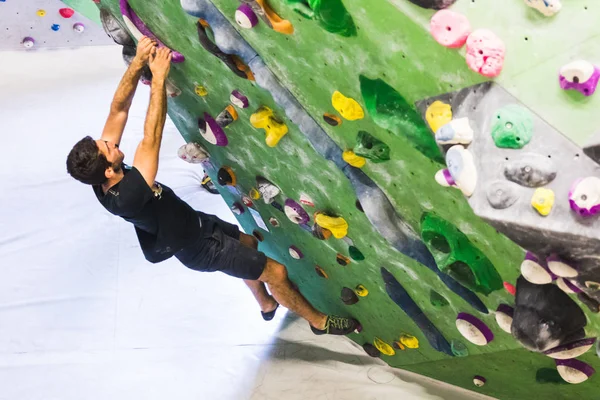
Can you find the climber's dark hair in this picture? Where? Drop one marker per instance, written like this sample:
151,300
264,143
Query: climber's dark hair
86,163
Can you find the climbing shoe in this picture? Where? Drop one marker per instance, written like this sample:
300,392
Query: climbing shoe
267,316
338,326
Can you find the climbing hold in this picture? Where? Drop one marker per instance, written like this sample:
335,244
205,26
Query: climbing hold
226,176
138,29
349,297
227,116
485,53
543,200
383,347
510,288
479,380
409,341
368,146
277,206
336,225
66,12
592,304
247,200
295,212
332,119
397,345
295,252
561,268
270,17
438,114
581,76
458,348
342,259
536,271
351,158
449,28
267,189
264,118
574,371
436,299
462,168
55,27
567,286
546,7
28,42
321,272
193,153
273,221
114,29
238,99
502,194
41,13
347,107
548,375
78,27
237,208
254,194
306,200
361,291
457,131
584,196
258,235
200,90
371,350
330,14
245,17
531,170
433,4
172,90
504,317
211,131
595,286
473,329
512,127
444,178
359,206
355,254
320,233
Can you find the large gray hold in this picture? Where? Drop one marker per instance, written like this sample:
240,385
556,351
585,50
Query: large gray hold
502,194
545,317
114,29
530,170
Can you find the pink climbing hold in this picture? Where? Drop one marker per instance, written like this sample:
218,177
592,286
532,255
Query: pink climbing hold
510,288
449,28
485,53
66,12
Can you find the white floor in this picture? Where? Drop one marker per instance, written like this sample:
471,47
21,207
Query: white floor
83,316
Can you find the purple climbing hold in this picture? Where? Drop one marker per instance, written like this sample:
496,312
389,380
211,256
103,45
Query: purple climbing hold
560,267
584,196
295,252
211,131
580,75
78,27
295,212
237,208
479,380
245,17
473,329
567,286
574,371
238,99
571,350
444,178
28,42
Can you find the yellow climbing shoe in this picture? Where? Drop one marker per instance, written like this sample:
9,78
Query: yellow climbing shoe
336,225
347,107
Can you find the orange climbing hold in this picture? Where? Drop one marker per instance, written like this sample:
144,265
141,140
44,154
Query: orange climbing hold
277,23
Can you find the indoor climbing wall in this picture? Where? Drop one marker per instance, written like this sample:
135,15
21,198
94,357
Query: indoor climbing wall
423,166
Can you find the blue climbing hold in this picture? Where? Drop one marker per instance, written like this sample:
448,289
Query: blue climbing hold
55,27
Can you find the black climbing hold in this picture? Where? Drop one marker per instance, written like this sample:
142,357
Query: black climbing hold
359,206
321,272
332,119
342,259
277,206
371,350
258,235
433,4
355,254
226,176
349,297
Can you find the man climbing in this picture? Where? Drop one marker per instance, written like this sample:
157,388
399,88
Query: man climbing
165,225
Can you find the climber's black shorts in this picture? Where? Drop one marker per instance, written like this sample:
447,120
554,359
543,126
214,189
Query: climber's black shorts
218,249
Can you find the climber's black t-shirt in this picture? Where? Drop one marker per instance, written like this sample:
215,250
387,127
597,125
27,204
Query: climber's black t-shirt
164,223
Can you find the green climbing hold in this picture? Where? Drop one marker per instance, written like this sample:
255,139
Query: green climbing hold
330,14
549,375
368,146
391,111
355,254
458,348
512,127
456,256
437,300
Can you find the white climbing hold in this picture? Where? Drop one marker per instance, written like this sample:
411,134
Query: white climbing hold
457,131
444,178
193,153
462,169
567,286
504,317
560,267
584,196
574,371
535,271
546,7
28,42
245,17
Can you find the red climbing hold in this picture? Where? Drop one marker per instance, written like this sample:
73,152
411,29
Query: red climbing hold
510,288
66,12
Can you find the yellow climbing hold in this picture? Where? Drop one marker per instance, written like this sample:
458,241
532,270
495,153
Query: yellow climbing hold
409,341
543,200
383,347
347,107
200,90
41,13
361,291
264,118
336,225
438,114
255,194
353,159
